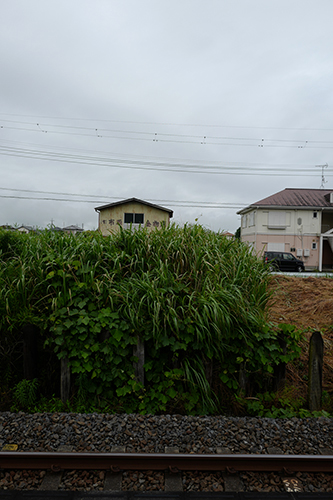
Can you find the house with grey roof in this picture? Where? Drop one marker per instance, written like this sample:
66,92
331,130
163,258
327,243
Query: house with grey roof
299,221
73,229
24,229
132,213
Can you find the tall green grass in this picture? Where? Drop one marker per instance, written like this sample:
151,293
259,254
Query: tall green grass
192,295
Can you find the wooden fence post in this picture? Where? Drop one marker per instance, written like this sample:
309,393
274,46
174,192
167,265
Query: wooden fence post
243,379
139,352
30,351
65,380
316,355
209,368
279,377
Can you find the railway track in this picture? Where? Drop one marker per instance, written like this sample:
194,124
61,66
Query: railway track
111,468
173,462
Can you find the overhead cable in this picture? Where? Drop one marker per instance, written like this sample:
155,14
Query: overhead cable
118,197
199,140
150,165
185,205
137,122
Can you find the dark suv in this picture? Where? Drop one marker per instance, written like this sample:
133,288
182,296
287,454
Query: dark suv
283,261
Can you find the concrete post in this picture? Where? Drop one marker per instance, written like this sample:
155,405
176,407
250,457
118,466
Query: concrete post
321,250
316,355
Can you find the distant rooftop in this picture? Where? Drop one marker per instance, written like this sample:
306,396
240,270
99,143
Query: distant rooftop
290,197
134,200
73,228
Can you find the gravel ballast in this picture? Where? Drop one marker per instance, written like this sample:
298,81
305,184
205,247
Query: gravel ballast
153,434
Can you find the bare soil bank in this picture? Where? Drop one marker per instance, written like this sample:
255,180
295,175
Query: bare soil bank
306,303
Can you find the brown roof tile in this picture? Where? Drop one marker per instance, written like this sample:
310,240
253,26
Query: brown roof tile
290,197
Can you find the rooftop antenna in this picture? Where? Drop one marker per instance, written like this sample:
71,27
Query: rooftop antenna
323,181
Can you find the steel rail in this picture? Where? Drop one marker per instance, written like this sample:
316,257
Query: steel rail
163,461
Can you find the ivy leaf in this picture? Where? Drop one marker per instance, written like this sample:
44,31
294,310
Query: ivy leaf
84,319
68,323
172,392
117,335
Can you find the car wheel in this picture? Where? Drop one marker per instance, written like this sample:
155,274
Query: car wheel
299,269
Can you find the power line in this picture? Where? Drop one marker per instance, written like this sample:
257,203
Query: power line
164,160
176,204
196,203
182,138
116,198
106,120
152,165
163,134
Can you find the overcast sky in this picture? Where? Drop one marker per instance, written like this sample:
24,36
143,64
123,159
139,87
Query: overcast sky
202,107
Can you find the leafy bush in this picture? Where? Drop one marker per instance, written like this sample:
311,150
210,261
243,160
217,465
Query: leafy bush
25,393
196,299
278,405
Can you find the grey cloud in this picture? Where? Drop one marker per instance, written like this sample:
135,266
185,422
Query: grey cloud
144,64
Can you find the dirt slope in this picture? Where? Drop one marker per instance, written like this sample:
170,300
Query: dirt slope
303,302
306,303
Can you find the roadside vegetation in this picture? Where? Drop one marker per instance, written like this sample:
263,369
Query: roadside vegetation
196,300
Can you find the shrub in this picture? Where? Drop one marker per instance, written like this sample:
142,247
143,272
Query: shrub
196,299
25,393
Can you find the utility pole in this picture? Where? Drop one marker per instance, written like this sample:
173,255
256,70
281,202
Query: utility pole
323,181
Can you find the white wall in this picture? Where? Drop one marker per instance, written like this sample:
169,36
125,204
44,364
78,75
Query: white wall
260,221
289,230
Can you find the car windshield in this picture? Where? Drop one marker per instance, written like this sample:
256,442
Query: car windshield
288,256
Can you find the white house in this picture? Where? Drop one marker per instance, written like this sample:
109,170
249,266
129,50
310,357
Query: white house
299,221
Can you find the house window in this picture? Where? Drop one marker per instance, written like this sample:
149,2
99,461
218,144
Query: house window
314,245
275,247
277,220
315,215
251,219
138,218
244,221
133,218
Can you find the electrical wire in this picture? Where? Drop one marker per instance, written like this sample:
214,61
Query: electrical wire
159,159
202,139
106,120
156,135
152,165
165,161
116,198
178,204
